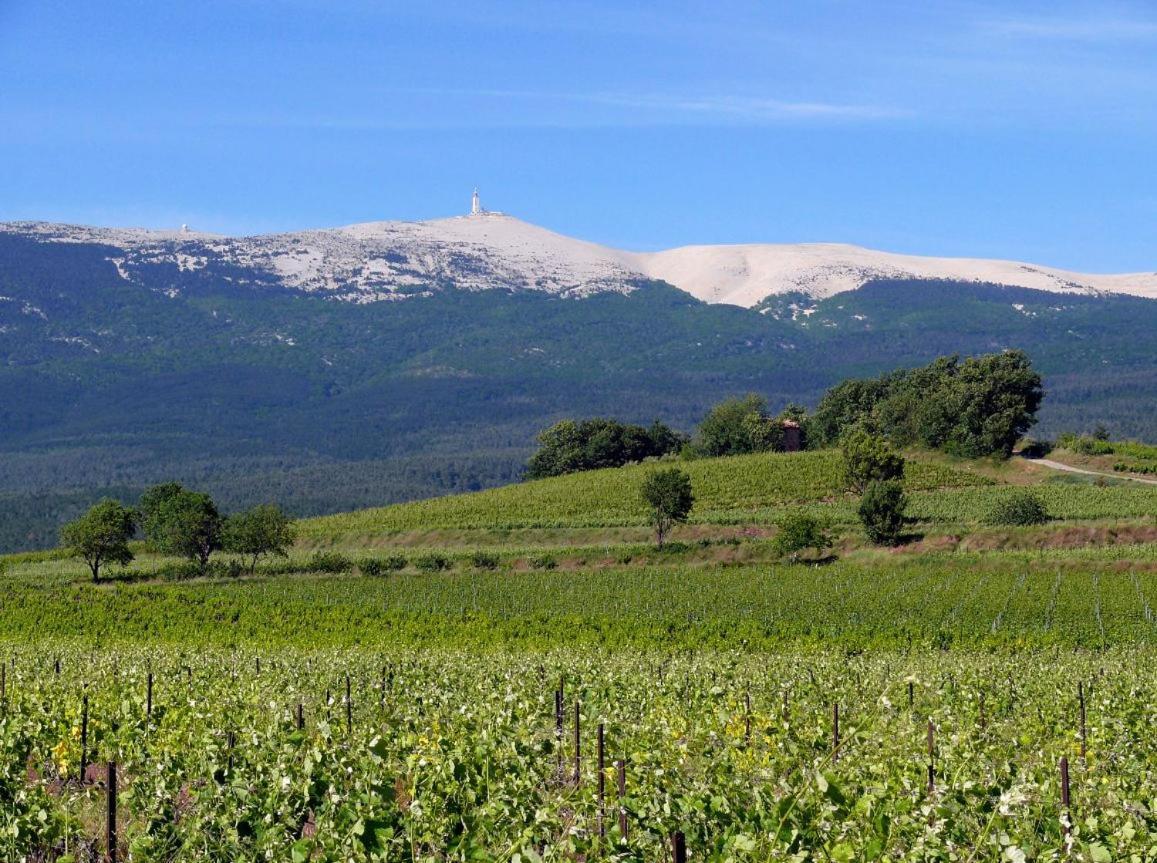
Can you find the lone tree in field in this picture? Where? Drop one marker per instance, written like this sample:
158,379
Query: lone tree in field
102,535
881,511
669,498
265,529
867,459
185,524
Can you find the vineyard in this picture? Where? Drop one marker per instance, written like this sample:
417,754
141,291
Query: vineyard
529,679
726,489
1085,598
436,755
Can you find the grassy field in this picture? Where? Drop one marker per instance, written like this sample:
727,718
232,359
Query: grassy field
717,671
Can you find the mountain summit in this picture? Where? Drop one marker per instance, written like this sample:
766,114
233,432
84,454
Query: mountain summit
377,261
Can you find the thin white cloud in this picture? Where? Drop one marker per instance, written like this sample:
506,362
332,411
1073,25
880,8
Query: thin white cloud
658,108
755,110
1106,29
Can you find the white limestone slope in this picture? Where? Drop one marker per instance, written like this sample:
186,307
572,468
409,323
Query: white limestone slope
744,275
377,261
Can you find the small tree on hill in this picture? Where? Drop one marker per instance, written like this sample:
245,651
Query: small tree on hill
881,511
799,531
101,535
669,498
869,458
265,529
186,524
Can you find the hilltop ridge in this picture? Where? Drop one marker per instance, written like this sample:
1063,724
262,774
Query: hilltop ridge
392,260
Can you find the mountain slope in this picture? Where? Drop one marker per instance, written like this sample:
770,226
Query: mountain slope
378,261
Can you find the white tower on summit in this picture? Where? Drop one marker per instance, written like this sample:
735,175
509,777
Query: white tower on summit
475,203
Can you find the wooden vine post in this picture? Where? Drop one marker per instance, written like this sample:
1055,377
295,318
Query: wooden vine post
602,786
1066,817
931,757
621,768
111,819
558,728
577,777
747,718
836,732
678,847
349,708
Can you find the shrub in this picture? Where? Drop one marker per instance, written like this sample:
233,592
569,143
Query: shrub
799,531
394,562
484,560
1018,509
1036,448
881,511
867,459
177,571
329,561
433,562
546,561
371,566
1085,444
227,569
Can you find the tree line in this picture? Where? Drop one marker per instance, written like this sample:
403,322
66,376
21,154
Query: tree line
176,521
972,407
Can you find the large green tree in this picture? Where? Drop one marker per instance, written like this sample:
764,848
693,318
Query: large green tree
151,505
101,536
994,400
974,407
575,445
259,531
737,426
186,524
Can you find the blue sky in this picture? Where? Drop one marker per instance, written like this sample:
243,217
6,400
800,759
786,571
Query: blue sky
1024,130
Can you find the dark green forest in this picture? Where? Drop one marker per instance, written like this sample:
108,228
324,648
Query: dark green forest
257,393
